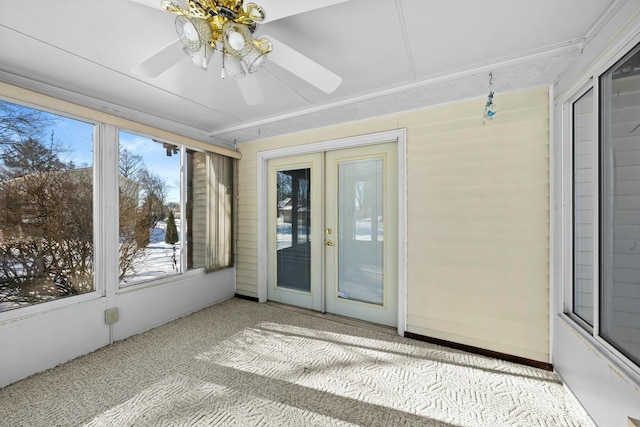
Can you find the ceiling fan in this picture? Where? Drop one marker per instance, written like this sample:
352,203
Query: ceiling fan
204,26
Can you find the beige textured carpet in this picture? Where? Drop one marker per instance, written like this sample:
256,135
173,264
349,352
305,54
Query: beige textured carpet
247,364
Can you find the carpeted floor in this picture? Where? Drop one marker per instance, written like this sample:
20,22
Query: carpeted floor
248,364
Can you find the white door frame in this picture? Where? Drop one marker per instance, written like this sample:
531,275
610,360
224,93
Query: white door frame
399,136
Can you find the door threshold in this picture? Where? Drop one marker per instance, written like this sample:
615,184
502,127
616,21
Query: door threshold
337,318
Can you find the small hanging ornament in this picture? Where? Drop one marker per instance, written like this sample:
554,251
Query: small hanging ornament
490,109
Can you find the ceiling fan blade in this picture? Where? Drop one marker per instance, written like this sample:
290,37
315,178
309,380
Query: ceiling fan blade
277,9
303,67
161,60
250,90
151,3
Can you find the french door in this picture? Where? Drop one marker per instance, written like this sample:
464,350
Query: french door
332,244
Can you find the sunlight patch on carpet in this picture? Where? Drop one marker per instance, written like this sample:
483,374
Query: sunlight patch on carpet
437,384
182,401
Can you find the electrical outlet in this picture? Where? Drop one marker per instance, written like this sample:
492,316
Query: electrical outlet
111,315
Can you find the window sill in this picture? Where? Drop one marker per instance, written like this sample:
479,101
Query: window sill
623,367
19,314
161,281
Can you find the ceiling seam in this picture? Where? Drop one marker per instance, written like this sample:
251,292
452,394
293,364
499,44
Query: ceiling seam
551,51
405,36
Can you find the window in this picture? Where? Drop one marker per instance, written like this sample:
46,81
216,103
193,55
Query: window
60,182
294,229
584,193
46,207
606,209
174,209
620,206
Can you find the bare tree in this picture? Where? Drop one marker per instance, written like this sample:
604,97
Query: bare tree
130,164
18,123
140,211
132,249
29,157
46,249
155,192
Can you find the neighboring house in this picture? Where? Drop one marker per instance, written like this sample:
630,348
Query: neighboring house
516,238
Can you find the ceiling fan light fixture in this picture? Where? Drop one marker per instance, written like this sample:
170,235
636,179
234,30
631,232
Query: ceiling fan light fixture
254,62
185,30
202,57
257,55
230,23
193,32
237,38
172,7
231,67
190,32
254,12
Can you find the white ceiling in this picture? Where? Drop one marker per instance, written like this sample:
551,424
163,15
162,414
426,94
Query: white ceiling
391,55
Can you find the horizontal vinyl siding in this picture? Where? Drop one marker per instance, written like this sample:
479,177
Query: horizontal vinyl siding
478,225
199,211
478,219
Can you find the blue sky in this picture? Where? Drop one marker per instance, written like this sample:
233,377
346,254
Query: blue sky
156,160
75,138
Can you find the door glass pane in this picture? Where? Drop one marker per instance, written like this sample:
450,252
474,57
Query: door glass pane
294,229
620,206
584,188
360,228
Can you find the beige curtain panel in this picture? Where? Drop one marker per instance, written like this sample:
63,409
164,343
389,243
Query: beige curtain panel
220,211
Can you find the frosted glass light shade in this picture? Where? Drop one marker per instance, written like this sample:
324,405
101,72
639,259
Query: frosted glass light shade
193,32
237,38
231,67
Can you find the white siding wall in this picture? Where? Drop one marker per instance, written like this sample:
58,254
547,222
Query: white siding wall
478,219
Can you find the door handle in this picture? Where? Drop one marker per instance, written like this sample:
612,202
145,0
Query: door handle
328,242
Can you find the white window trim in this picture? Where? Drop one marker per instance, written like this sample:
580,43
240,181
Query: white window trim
566,306
398,136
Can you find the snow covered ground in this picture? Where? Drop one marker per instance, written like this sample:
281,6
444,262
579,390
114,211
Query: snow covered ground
159,258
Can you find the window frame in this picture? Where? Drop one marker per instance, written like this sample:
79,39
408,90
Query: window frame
588,333
603,214
570,296
105,195
99,287
183,273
